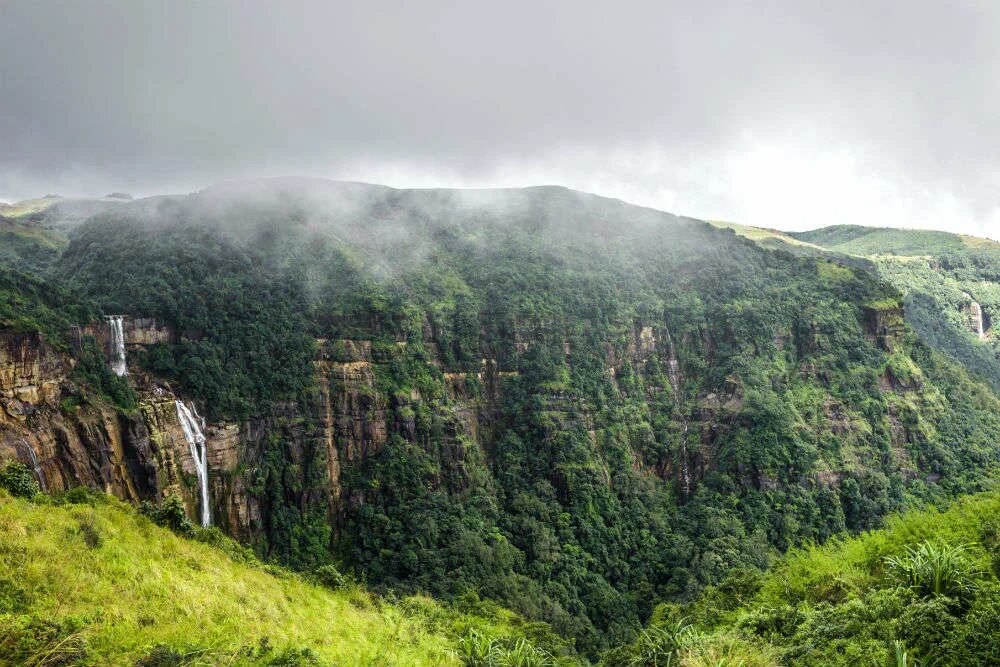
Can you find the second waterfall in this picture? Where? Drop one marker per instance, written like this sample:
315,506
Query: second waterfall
118,364
193,433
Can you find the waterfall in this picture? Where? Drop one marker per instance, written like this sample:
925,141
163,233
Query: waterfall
977,319
673,373
685,473
192,425
118,364
34,464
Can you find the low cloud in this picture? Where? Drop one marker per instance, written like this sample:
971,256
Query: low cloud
785,114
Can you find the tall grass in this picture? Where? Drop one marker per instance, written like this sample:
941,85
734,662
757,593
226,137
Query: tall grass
102,585
934,569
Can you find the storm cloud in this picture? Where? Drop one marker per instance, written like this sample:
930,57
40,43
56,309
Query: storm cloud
787,114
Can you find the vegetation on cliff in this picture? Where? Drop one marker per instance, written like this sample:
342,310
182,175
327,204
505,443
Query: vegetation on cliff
674,402
922,591
588,407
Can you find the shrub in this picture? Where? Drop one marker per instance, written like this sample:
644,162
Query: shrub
478,650
926,625
974,641
657,646
169,514
236,551
31,640
162,655
523,654
13,597
330,577
932,569
901,657
19,480
293,657
82,495
87,528
770,622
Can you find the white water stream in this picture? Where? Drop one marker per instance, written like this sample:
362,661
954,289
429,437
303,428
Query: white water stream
193,426
118,364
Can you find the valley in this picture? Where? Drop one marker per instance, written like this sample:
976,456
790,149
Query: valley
599,416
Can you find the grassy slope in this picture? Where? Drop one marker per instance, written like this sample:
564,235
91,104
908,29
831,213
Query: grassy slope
26,207
143,586
838,603
858,240
769,238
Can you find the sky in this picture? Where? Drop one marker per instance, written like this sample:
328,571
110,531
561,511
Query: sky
789,114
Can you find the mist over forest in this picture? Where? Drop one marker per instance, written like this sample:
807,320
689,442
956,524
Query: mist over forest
358,334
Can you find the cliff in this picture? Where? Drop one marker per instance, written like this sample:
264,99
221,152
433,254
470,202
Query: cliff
72,438
562,402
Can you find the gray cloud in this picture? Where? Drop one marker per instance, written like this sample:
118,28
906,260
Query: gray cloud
791,114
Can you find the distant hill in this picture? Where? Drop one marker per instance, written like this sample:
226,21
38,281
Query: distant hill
858,240
950,282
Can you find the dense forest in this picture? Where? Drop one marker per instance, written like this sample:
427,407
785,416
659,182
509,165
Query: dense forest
922,591
661,408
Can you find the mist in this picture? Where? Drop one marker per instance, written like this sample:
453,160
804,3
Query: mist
782,114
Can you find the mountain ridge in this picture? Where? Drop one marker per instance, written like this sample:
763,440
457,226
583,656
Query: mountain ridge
563,402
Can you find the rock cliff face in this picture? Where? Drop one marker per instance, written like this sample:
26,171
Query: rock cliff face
49,425
46,423
30,373
884,325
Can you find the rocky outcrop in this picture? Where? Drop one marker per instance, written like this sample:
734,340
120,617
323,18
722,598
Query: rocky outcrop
353,412
30,374
73,439
885,325
976,318
138,332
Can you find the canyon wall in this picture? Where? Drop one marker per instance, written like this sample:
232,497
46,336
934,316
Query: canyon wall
48,424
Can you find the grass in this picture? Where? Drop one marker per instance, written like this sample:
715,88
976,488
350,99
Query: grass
770,238
26,207
122,588
824,572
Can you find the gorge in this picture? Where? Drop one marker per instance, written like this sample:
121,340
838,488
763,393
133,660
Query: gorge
564,403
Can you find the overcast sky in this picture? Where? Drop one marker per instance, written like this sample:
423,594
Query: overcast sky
791,114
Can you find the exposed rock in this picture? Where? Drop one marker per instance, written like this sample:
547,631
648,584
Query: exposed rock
30,374
884,324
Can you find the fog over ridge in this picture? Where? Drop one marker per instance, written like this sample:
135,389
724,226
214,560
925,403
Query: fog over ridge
782,114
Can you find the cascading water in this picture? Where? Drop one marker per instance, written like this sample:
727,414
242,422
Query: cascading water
34,464
118,364
193,433
673,373
977,319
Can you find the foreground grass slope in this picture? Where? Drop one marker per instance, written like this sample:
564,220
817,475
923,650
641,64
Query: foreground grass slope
922,591
96,583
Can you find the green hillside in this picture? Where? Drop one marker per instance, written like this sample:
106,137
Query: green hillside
572,406
859,240
922,591
85,580
941,276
